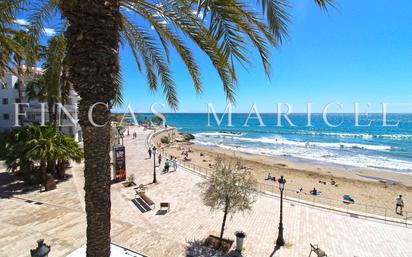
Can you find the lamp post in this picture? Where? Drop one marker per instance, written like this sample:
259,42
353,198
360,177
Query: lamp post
118,135
154,164
280,241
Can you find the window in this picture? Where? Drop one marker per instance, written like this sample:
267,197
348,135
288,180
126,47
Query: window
3,85
18,100
31,116
6,116
5,101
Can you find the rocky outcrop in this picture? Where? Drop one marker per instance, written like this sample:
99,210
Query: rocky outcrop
184,137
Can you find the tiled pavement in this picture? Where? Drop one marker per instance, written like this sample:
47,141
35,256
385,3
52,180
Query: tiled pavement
61,220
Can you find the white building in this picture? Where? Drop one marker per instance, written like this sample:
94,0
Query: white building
33,111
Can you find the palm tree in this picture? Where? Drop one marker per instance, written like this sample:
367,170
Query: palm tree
222,29
8,46
48,145
16,45
52,86
23,147
54,80
13,151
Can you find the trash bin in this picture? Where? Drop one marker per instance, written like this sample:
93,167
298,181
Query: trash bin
240,237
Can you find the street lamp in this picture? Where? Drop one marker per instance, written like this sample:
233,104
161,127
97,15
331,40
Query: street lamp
120,134
280,241
154,164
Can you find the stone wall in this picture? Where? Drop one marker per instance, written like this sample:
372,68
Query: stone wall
155,138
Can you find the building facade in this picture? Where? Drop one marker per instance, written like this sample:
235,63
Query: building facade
16,109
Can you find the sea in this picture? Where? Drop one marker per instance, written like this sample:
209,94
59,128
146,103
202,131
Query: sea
376,145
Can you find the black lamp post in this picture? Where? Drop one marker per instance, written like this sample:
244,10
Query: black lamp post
280,241
154,164
120,134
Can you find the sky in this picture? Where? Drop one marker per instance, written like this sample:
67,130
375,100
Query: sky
360,52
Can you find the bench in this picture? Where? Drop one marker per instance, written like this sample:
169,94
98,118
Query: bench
319,252
165,207
146,198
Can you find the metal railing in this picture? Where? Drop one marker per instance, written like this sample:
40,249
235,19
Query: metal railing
354,209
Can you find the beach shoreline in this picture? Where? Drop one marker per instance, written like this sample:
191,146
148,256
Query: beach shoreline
368,186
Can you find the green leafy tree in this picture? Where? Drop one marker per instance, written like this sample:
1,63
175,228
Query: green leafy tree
230,189
222,29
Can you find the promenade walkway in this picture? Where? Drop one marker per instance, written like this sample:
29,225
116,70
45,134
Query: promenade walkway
60,220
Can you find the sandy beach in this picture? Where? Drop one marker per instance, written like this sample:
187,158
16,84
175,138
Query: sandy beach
372,187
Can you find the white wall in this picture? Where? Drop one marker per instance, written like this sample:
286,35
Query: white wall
11,94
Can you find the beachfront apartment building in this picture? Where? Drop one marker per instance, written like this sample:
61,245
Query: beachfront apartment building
13,90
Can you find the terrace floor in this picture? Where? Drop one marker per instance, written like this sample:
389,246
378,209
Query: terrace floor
58,216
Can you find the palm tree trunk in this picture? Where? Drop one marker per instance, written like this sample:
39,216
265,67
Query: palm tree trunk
92,55
43,173
51,111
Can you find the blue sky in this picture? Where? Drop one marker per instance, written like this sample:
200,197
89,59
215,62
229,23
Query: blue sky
361,52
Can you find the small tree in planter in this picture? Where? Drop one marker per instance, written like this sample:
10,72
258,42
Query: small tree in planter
230,189
130,181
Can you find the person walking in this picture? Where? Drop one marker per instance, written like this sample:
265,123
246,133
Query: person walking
159,159
149,151
399,205
174,164
167,166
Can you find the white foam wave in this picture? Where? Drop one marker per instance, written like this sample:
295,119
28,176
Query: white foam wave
218,134
282,141
322,155
357,135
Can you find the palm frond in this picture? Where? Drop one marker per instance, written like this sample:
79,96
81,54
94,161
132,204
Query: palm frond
43,12
148,47
168,36
181,17
325,3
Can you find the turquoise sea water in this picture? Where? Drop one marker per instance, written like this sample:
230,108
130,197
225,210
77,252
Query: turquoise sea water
374,146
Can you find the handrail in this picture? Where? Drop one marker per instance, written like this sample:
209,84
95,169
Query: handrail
361,210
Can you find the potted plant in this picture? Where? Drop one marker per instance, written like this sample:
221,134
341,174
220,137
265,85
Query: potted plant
130,181
240,237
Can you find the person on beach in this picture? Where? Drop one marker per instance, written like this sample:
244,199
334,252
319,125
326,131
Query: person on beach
159,159
314,191
150,153
399,204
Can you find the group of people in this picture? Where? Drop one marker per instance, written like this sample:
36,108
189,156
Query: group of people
172,162
186,155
